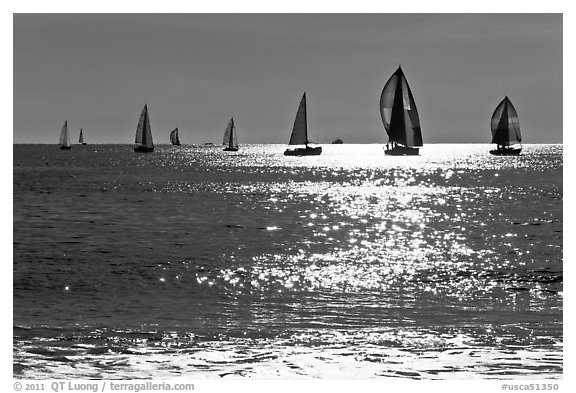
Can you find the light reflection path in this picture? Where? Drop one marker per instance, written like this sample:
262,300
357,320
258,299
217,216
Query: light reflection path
447,265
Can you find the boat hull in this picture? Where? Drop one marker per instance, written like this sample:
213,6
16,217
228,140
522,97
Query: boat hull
175,144
231,149
143,149
307,151
65,147
506,152
402,151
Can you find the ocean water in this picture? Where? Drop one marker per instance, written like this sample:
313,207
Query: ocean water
198,263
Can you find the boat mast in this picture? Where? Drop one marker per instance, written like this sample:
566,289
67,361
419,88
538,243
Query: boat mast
143,142
397,121
231,140
506,142
305,120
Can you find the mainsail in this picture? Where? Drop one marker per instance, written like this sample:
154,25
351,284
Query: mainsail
64,138
299,134
81,138
230,139
143,131
505,126
174,137
398,111
300,130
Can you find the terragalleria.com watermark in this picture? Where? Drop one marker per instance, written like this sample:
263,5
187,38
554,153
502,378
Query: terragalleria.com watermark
104,386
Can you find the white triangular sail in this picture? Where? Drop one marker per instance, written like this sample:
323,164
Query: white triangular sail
64,138
505,125
300,130
143,131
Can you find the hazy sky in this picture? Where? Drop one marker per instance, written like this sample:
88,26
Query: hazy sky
195,71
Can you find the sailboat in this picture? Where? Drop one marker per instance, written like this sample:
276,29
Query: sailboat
400,117
64,137
81,138
505,129
144,133
174,137
230,139
300,134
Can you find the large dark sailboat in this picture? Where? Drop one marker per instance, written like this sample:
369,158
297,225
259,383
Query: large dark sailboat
400,116
144,133
300,134
505,129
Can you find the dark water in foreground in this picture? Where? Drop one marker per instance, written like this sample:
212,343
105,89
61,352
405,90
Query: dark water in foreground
199,263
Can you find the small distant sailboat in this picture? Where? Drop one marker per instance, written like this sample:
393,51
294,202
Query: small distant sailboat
505,129
144,133
64,137
174,137
400,117
300,134
81,138
230,139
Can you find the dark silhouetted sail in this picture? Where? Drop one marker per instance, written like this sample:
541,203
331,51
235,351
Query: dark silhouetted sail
64,137
505,126
144,133
299,134
505,129
174,137
81,138
228,132
300,130
399,113
230,140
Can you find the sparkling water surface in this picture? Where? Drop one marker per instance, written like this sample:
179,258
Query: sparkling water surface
195,262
